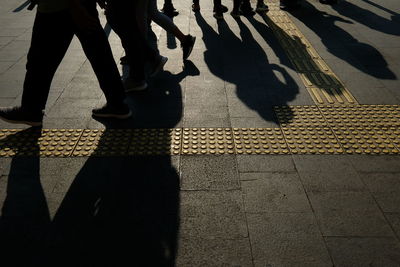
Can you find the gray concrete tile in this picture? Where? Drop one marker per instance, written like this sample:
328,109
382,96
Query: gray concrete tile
376,164
320,163
72,108
327,173
214,252
209,172
364,251
385,187
394,220
332,181
348,214
265,163
212,215
273,192
286,239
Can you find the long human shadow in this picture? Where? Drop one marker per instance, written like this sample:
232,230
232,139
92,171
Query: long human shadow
25,215
369,18
124,211
338,41
118,211
245,65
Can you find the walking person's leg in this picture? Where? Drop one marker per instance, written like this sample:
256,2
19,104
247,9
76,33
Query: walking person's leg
98,51
187,41
51,37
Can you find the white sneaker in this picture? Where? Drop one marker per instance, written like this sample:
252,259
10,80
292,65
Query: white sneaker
131,85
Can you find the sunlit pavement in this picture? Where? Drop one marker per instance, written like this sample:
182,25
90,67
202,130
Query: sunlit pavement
276,144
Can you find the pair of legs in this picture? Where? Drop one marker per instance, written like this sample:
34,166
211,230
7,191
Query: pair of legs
187,41
122,19
218,9
51,36
243,7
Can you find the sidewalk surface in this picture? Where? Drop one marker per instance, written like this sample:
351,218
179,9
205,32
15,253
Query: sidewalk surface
300,114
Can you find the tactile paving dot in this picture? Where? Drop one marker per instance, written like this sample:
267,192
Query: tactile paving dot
155,142
58,142
311,140
259,141
87,143
299,115
364,140
197,141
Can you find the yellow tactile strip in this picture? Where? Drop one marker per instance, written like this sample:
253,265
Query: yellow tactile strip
328,129
322,84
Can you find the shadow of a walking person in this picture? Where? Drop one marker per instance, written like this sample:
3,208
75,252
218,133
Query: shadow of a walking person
243,63
123,210
24,215
339,42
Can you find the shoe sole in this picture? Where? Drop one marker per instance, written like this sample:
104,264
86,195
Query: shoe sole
115,116
159,67
30,123
191,49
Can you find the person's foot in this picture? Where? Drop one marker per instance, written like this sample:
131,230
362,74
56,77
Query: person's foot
261,7
235,13
195,7
158,66
187,46
20,116
124,60
328,2
247,12
131,85
120,111
218,15
170,11
222,9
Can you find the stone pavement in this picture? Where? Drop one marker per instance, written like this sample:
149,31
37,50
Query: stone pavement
292,206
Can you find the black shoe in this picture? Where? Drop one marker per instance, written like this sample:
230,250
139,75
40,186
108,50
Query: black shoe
21,116
187,46
247,12
218,15
170,11
124,60
222,9
158,66
121,111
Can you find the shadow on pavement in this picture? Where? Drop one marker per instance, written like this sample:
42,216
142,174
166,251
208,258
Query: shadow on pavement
338,42
118,211
245,61
369,18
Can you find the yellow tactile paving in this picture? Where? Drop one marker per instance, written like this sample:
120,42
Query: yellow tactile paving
328,129
322,84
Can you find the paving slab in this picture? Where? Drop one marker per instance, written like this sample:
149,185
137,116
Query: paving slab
287,239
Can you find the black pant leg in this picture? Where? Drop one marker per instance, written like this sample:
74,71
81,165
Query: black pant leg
51,37
98,51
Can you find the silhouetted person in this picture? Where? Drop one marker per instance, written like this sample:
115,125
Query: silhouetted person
218,9
243,7
169,9
55,24
187,41
127,19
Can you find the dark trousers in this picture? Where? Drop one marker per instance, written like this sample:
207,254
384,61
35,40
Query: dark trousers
121,17
217,4
51,37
